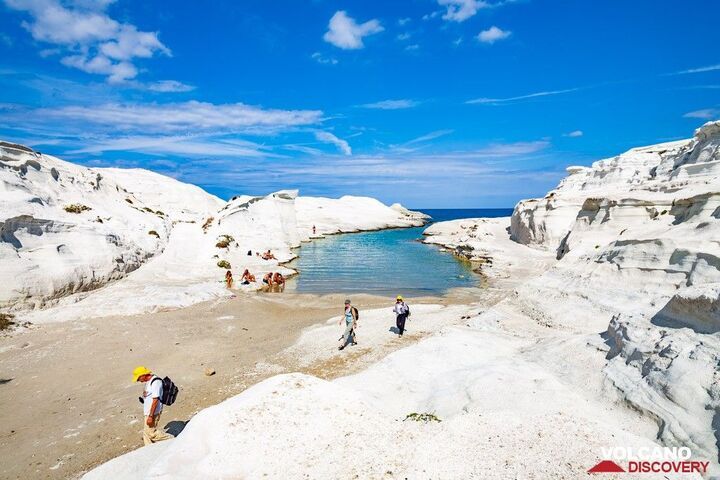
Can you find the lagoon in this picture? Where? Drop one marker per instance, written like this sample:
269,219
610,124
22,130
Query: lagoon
385,262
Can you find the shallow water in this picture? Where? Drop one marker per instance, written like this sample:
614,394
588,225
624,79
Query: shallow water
387,262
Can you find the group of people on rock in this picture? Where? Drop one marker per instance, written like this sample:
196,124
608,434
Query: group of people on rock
274,279
271,279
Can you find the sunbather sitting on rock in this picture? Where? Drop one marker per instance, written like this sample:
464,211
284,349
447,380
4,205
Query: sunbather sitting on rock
278,279
247,277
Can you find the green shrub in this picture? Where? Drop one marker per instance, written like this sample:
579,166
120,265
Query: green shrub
6,321
153,232
224,241
160,213
224,264
129,201
76,208
423,417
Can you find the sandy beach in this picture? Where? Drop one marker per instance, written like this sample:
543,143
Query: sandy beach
69,401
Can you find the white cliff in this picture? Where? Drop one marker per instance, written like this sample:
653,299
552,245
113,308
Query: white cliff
636,278
78,242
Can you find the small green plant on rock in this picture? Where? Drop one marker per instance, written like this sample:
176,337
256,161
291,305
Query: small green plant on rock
76,208
422,417
6,321
224,264
224,241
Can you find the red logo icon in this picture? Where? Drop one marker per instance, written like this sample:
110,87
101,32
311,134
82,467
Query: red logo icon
606,466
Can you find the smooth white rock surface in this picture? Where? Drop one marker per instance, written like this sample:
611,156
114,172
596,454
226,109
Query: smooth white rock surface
148,242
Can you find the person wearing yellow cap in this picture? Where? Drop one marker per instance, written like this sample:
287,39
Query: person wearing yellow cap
152,406
401,313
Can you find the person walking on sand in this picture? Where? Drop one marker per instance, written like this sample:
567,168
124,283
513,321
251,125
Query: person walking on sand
152,405
350,316
229,279
401,313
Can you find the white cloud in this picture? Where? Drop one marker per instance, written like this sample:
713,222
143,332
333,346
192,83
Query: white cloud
169,86
429,136
574,134
705,114
174,117
709,68
491,101
93,42
320,58
413,47
116,72
6,40
404,21
191,146
509,149
493,34
391,104
344,32
429,16
461,10
341,144
129,43
403,36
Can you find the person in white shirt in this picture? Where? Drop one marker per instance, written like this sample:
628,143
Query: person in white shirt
401,313
152,406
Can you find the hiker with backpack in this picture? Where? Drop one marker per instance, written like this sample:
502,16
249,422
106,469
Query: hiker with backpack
402,311
351,316
157,393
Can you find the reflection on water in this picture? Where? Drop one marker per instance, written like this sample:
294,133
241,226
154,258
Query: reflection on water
387,262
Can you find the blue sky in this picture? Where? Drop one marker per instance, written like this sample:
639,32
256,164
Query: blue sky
432,103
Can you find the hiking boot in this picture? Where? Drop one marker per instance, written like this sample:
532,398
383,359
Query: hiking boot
341,347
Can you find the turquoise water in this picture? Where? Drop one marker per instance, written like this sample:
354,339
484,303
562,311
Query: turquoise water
387,262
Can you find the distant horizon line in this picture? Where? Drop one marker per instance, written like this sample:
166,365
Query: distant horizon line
462,208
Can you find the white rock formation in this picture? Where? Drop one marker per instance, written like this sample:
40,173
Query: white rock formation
638,267
607,336
77,242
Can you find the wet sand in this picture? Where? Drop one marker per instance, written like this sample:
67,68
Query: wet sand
66,391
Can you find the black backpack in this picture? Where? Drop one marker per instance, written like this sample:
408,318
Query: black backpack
357,313
169,391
